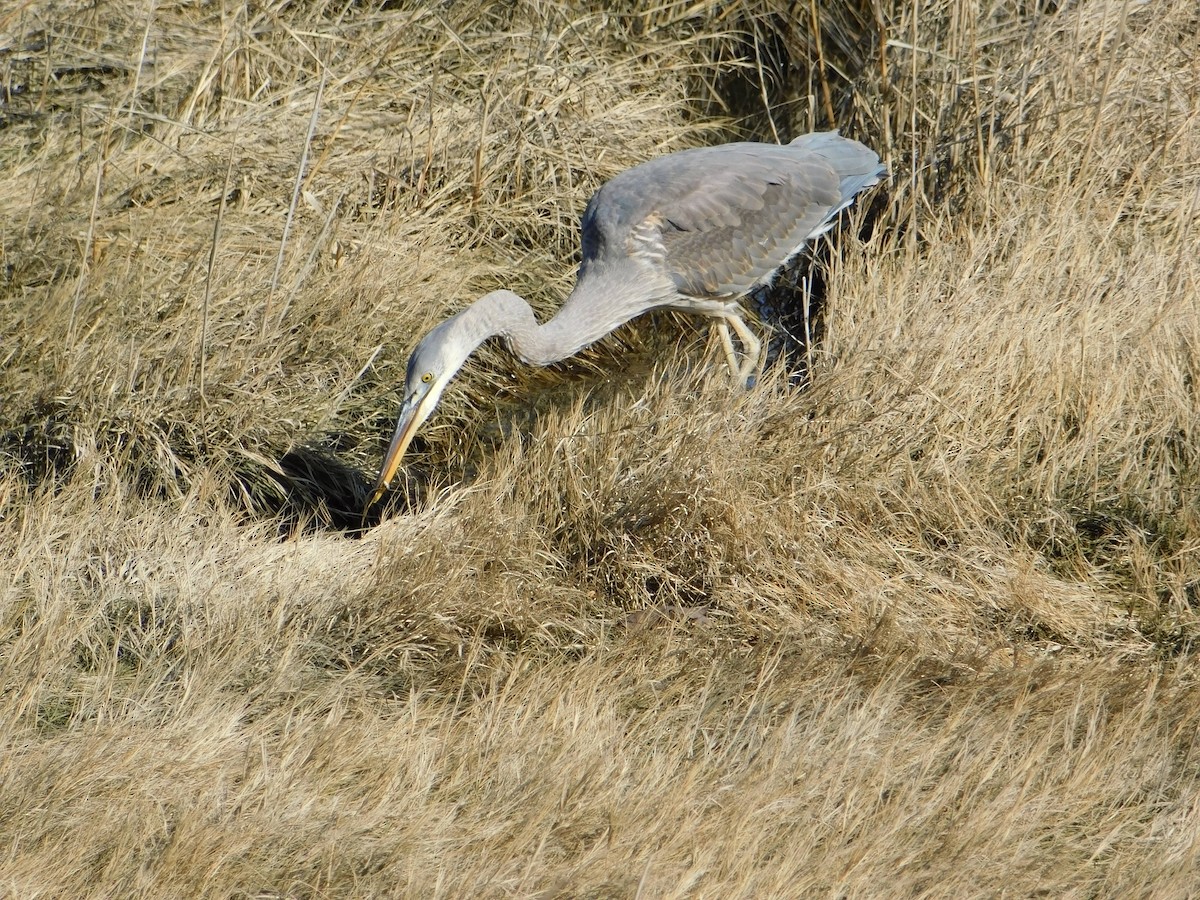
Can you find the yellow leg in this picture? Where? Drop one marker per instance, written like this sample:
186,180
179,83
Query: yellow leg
751,346
727,343
726,315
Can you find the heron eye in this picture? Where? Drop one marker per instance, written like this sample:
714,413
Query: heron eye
427,377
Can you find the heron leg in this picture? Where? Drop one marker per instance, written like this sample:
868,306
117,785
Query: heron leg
727,314
727,343
751,346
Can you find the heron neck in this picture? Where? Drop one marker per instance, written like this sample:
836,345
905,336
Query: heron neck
594,308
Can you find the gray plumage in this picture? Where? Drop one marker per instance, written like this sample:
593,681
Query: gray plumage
722,219
692,231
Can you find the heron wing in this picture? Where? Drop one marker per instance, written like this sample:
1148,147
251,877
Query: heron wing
718,220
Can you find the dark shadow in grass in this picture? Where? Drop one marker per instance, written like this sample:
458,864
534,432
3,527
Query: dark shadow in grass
312,489
40,444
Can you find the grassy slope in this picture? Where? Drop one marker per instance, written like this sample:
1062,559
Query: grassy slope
926,628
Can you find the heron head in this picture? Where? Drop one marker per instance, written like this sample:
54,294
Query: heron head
436,359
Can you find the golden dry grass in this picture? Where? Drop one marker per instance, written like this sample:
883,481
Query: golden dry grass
925,628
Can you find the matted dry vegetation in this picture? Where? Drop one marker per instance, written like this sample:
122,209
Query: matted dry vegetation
925,627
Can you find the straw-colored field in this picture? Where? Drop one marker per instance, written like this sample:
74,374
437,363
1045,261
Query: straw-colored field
924,625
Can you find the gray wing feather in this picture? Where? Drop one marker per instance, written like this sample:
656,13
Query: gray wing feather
720,220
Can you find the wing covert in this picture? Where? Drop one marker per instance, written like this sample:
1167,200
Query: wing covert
718,220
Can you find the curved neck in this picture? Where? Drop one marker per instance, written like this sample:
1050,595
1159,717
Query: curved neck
595,307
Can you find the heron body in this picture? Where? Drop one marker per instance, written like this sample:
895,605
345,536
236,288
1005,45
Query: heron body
692,231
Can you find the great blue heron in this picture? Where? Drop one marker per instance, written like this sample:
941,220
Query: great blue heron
693,231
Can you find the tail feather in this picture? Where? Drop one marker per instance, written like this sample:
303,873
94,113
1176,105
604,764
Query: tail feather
857,165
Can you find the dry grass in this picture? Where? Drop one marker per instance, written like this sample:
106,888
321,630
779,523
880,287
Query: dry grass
926,628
